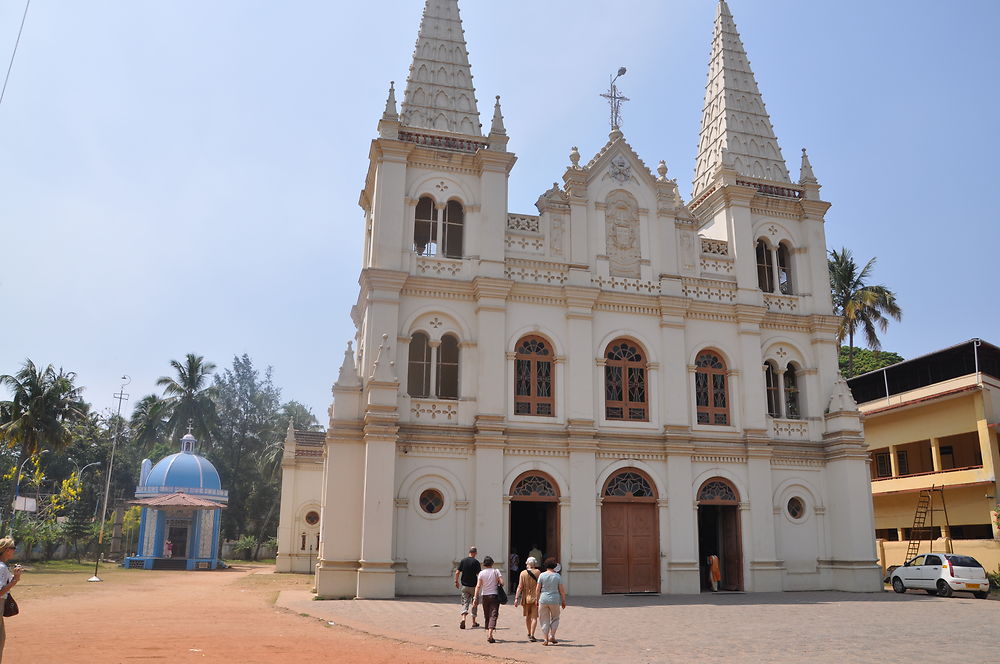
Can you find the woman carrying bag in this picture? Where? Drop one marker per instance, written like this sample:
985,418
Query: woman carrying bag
527,596
8,579
488,588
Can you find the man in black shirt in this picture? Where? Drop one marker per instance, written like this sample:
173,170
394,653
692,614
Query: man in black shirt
467,575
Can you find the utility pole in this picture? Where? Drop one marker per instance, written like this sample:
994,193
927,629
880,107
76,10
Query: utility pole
121,396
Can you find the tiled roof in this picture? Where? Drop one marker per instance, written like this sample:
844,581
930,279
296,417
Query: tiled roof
178,499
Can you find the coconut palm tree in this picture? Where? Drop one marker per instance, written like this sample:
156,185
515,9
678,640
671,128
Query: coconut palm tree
150,420
863,308
44,404
190,397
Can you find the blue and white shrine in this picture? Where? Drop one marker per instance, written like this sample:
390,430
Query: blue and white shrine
182,500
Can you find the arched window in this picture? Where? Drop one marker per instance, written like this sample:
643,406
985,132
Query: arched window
625,382
425,227
418,380
718,491
447,367
765,267
773,389
533,393
629,483
452,229
711,391
784,270
792,410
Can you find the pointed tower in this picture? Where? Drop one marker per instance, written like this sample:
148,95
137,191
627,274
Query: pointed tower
734,117
439,93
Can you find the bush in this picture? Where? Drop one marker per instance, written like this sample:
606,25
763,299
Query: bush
245,546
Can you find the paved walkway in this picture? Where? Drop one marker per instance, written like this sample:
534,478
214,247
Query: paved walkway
767,627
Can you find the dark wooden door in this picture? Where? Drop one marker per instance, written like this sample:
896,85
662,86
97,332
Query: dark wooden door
732,549
630,547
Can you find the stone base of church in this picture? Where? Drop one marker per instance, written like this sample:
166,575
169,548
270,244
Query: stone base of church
376,581
295,563
766,576
336,580
856,576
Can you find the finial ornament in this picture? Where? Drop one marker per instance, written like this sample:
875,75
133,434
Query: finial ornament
661,170
497,127
615,99
806,175
390,103
574,157
190,425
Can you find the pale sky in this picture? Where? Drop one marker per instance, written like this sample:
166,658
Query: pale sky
183,176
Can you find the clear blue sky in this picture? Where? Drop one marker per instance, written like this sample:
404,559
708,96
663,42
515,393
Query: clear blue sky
183,176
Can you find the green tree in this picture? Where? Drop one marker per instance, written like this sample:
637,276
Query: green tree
866,360
78,526
301,416
247,406
863,308
190,397
150,422
44,404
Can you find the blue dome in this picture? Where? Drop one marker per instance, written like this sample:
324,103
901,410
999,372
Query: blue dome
184,470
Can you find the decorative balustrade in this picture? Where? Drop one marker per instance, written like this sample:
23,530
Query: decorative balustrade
434,410
445,142
772,190
522,222
781,303
714,247
790,429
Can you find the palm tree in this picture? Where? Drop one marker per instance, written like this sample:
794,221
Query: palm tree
150,420
862,307
44,404
190,397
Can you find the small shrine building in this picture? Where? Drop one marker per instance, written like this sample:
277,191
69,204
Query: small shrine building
182,500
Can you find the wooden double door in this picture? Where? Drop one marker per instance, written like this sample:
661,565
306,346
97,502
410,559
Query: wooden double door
630,547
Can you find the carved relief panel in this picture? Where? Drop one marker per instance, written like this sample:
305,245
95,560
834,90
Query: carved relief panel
621,216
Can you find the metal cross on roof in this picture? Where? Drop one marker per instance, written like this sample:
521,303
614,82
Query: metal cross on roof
615,99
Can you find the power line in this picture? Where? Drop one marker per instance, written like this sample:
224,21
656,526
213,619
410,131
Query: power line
14,52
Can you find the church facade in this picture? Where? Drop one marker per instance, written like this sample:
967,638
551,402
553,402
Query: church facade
624,380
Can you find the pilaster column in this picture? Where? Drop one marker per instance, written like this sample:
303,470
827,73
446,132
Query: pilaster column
936,454
893,461
580,350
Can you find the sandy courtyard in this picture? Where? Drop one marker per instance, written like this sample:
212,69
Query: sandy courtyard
223,616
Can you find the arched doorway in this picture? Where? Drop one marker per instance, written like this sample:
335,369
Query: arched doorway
534,518
719,532
630,534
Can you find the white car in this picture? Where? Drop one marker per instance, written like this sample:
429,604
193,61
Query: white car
941,574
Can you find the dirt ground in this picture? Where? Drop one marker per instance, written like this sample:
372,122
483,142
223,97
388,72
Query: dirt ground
221,616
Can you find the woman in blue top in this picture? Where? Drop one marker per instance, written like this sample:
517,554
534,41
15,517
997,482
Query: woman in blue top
551,598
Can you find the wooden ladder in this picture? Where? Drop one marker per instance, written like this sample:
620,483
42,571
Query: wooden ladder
922,530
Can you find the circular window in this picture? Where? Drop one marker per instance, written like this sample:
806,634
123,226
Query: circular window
312,518
431,501
796,508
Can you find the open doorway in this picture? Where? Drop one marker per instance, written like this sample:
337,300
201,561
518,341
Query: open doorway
177,535
534,521
719,533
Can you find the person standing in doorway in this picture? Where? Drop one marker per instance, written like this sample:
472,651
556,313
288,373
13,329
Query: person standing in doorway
466,577
527,596
488,590
714,575
514,567
535,552
168,549
551,599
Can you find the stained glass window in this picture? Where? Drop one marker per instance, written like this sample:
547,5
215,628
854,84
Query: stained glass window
625,382
711,390
717,491
533,380
418,381
792,410
534,485
629,483
765,267
431,501
771,384
796,508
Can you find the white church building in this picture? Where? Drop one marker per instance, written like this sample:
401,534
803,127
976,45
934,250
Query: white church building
626,381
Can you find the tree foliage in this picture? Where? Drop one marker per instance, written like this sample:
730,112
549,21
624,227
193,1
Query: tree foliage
190,397
863,308
866,360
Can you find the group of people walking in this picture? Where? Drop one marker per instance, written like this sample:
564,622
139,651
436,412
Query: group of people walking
540,594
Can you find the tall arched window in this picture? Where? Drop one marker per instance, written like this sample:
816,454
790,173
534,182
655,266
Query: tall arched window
418,380
784,269
447,367
711,390
765,267
773,389
625,382
533,377
425,227
792,410
452,230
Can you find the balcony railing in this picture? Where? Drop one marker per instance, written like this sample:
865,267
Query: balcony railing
928,472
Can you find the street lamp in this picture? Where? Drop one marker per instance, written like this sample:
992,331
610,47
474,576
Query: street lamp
121,396
17,487
79,474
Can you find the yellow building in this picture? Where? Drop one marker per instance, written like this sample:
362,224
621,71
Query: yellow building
930,422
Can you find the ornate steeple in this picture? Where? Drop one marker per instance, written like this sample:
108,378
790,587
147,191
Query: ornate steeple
734,116
439,93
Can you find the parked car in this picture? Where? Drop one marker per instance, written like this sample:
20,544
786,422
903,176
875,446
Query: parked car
941,574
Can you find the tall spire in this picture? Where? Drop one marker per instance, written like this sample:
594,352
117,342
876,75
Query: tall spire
439,93
734,116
